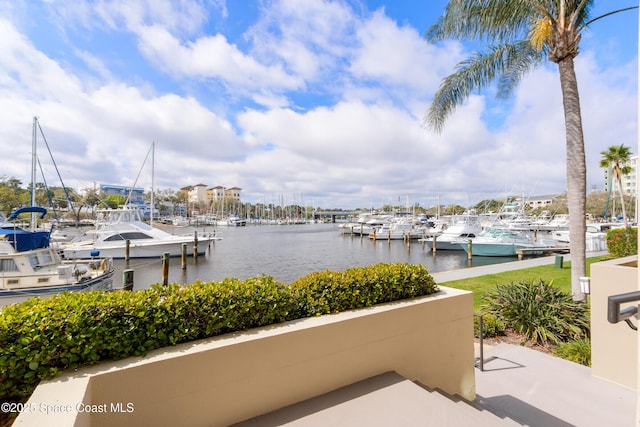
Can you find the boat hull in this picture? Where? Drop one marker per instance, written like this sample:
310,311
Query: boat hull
497,249
442,245
137,249
18,295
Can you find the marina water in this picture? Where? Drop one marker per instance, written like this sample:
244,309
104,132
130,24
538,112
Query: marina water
288,252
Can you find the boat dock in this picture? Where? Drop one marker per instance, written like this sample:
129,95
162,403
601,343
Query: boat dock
521,253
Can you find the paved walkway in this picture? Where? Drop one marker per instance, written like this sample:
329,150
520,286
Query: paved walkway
538,389
465,273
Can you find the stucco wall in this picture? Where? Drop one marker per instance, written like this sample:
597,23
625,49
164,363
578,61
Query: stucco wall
235,377
613,346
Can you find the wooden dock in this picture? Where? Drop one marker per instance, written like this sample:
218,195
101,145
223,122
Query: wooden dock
541,251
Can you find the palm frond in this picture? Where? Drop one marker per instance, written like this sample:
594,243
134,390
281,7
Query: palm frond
519,58
505,63
493,21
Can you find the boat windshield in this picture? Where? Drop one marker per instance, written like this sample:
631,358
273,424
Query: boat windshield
133,235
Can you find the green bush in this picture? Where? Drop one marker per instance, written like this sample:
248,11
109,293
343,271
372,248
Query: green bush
330,291
539,311
578,351
491,326
622,242
40,338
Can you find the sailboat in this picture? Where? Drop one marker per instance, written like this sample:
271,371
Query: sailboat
29,266
121,230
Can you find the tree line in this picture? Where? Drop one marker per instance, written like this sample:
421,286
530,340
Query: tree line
13,196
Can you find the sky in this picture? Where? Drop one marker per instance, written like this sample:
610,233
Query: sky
313,102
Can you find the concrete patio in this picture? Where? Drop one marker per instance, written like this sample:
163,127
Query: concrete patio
519,386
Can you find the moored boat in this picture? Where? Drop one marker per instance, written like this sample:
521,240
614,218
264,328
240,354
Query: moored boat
396,231
40,272
460,227
500,242
111,237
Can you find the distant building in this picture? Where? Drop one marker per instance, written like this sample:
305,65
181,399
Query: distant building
540,201
196,194
628,181
199,194
135,195
515,204
215,193
219,192
233,193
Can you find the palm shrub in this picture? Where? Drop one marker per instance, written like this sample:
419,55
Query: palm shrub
541,312
578,351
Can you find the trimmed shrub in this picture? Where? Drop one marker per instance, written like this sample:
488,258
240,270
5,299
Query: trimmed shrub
578,351
331,292
540,312
40,338
622,242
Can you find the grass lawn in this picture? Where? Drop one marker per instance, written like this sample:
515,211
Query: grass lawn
480,285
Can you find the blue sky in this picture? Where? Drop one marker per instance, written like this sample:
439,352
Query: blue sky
312,101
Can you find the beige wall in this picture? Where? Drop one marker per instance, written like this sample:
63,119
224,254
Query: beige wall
613,346
235,377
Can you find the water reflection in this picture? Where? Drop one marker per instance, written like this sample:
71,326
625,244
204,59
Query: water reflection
288,252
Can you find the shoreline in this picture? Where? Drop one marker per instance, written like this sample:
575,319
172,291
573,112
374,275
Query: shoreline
465,273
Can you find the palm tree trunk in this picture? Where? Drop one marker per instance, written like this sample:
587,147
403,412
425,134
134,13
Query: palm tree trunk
624,210
576,174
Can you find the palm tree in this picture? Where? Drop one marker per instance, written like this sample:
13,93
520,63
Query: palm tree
616,159
521,35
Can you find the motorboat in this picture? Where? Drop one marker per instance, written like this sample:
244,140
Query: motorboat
40,272
460,227
396,230
365,224
595,237
20,238
501,242
124,228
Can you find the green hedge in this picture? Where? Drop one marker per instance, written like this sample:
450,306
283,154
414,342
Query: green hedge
41,338
622,242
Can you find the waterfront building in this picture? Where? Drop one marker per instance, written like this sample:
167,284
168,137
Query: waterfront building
219,192
135,195
628,181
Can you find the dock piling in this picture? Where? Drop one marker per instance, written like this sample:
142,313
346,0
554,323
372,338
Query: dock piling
127,280
127,250
165,268
195,245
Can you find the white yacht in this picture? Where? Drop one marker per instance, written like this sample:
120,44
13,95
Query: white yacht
120,226
460,227
500,242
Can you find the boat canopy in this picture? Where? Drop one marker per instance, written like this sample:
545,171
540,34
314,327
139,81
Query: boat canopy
28,209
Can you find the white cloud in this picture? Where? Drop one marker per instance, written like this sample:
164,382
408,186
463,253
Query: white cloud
321,101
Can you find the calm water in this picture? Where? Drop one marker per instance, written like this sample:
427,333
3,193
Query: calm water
288,252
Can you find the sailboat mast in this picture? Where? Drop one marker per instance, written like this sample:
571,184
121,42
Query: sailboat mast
153,162
34,160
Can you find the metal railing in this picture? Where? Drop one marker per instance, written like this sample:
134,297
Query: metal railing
480,363
615,315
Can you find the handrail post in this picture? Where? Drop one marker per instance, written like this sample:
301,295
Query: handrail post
481,327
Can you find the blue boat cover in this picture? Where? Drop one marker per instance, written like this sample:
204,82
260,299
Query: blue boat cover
24,240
